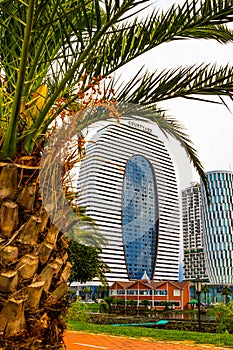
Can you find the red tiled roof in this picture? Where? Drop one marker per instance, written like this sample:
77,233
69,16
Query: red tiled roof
150,284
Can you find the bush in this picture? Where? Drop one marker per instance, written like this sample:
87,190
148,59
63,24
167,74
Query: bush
78,312
224,316
118,301
145,303
131,302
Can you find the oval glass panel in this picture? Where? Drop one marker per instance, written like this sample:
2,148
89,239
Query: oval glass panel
140,217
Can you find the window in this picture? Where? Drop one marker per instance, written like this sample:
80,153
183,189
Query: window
145,292
121,291
161,292
176,292
132,292
175,303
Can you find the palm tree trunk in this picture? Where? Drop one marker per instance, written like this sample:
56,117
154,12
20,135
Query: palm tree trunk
33,264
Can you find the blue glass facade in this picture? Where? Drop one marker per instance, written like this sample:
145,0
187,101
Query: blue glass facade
140,217
218,227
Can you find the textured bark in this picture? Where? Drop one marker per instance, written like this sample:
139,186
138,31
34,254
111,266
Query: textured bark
29,232
8,281
8,217
34,292
52,235
66,272
45,252
8,181
47,275
27,196
9,254
33,266
15,324
58,294
27,266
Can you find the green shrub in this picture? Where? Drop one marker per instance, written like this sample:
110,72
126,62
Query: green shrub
224,315
131,302
78,312
118,301
145,302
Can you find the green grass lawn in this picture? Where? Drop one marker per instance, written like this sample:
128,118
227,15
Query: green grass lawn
224,339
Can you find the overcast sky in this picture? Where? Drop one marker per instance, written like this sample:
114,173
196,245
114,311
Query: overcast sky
210,126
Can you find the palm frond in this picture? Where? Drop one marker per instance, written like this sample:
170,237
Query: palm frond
69,39
192,20
148,89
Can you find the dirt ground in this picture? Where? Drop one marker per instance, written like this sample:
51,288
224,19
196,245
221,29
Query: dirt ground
85,341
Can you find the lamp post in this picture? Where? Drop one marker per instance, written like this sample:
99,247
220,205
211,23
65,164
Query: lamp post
197,286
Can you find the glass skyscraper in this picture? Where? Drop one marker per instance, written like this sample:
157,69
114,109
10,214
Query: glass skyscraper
218,226
128,184
140,217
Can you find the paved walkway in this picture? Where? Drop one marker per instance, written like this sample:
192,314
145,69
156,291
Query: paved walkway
85,341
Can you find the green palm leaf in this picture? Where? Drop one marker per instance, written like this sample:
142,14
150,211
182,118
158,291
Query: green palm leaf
148,89
56,42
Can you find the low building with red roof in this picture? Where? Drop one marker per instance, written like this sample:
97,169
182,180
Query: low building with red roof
160,294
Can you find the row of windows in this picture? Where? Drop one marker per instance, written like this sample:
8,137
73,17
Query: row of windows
157,292
224,176
221,256
223,238
214,230
220,212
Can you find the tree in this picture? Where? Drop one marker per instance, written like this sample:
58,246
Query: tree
205,290
86,263
226,292
167,304
132,302
52,53
85,248
146,303
108,301
85,258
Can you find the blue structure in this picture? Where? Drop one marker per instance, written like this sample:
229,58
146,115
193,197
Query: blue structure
214,294
218,227
140,217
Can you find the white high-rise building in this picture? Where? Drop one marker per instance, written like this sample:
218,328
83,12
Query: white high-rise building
194,260
128,184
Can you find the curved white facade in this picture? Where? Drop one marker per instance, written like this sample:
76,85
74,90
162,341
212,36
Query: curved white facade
218,226
101,180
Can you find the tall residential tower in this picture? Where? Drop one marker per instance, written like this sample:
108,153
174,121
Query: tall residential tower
194,261
128,184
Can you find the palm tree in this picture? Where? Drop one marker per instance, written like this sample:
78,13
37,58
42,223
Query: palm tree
205,290
51,53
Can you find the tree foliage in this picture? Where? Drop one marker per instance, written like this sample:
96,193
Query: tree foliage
224,315
226,292
86,263
49,47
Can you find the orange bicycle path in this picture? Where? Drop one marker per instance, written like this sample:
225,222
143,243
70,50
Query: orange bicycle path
88,341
